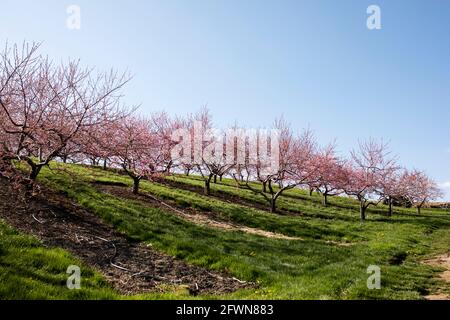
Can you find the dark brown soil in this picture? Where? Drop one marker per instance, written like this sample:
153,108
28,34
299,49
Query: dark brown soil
131,268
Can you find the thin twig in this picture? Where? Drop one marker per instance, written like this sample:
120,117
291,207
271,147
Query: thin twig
54,214
41,222
240,281
165,204
114,255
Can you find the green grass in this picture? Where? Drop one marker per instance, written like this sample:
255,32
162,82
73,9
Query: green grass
244,215
30,271
289,269
296,200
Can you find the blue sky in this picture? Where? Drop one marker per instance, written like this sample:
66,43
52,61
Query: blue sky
314,61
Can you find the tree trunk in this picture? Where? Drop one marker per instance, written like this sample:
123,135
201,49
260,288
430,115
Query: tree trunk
136,185
208,185
32,176
264,186
40,155
418,209
34,172
187,171
362,211
105,164
311,191
325,199
220,177
390,207
273,207
207,188
215,178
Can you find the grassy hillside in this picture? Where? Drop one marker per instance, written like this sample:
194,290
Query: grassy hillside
30,271
324,255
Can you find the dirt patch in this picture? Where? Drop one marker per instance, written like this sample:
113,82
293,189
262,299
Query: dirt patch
130,267
202,218
442,261
398,258
340,244
111,183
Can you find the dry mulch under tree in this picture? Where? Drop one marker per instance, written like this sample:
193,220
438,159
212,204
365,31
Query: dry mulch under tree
131,268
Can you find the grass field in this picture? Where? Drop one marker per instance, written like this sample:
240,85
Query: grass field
30,271
327,257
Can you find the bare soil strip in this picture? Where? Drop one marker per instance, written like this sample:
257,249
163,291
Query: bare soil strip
195,216
131,268
228,198
234,199
442,261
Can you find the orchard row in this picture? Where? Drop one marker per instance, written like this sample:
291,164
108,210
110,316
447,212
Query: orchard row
66,112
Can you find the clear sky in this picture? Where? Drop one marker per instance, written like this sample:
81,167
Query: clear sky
314,61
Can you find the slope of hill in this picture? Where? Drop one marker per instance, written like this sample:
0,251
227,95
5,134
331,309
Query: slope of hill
228,245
